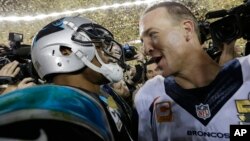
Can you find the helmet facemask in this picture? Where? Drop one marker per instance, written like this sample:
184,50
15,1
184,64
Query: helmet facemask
103,39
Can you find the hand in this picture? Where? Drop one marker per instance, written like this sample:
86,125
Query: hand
228,52
26,82
11,69
3,48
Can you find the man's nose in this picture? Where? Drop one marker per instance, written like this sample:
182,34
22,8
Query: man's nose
147,49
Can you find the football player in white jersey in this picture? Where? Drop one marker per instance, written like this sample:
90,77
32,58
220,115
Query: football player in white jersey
198,100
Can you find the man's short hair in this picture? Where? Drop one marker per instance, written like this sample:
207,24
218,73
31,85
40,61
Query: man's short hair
178,12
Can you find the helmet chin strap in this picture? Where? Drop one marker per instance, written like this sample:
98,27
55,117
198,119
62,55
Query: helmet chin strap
112,71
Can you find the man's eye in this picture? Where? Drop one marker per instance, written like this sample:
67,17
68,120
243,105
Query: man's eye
151,34
150,71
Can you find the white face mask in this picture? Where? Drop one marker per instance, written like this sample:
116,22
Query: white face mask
112,71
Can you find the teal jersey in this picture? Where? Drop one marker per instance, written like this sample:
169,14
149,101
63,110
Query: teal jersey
70,112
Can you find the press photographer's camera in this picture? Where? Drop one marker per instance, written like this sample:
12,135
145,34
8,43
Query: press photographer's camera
129,52
232,24
17,49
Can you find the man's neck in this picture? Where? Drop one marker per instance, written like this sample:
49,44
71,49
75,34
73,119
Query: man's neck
198,74
76,81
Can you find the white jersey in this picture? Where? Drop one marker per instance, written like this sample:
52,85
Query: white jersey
201,114
143,99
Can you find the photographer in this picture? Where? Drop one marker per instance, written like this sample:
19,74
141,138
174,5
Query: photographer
196,101
230,25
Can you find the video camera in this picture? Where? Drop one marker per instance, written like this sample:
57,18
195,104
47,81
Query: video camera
21,53
17,48
233,24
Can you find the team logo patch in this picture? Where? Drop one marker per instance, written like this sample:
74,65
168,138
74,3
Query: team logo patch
203,111
163,111
53,27
243,108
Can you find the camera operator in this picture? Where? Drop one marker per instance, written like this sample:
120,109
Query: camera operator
16,66
10,71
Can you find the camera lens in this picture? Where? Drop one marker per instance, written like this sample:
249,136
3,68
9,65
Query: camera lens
226,29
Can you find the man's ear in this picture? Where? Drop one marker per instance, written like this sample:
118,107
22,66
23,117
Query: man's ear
188,27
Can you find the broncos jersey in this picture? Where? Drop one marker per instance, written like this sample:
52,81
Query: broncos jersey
199,114
59,113
143,99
